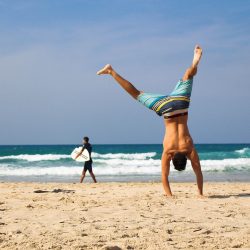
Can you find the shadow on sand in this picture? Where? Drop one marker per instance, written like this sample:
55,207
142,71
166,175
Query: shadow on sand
54,191
247,195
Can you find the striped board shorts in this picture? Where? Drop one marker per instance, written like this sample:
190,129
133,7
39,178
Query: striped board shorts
175,104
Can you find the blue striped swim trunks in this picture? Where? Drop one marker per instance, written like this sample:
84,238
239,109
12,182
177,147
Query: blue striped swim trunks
169,105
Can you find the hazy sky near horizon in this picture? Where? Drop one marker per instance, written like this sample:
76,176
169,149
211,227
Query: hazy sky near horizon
50,52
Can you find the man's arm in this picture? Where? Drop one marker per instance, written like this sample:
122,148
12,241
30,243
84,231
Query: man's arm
195,161
80,153
165,164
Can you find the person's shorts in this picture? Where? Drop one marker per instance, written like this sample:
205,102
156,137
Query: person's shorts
175,104
88,166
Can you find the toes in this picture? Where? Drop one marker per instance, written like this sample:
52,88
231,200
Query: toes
198,49
104,70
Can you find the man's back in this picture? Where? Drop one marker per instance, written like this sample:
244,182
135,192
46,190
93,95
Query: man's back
177,137
178,144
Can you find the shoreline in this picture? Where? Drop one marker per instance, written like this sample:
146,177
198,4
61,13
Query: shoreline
90,181
175,177
123,216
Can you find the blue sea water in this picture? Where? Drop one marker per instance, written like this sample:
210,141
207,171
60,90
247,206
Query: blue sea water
49,163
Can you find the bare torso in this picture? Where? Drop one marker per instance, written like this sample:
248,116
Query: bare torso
177,137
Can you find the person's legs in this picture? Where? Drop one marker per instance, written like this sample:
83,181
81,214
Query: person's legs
83,175
126,85
92,175
192,70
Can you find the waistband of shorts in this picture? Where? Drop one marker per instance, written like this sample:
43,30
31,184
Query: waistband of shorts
163,101
166,117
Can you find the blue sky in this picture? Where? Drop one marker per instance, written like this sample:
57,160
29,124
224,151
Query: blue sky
50,52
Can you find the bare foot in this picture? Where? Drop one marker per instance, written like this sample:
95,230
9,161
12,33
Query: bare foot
201,196
106,70
197,55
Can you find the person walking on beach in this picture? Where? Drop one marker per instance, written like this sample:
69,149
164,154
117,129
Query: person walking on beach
177,145
87,164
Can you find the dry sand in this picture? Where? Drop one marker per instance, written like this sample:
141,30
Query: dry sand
123,216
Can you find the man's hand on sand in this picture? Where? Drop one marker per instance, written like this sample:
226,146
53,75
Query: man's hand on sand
170,196
201,196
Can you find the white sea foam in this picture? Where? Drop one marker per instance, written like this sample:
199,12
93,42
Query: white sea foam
126,162
39,171
226,164
243,151
136,156
56,157
36,157
121,167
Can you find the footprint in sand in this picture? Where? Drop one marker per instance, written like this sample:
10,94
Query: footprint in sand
125,236
130,247
111,248
197,229
229,215
29,206
17,231
207,232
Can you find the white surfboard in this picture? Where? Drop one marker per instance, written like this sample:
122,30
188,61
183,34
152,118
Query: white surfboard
84,156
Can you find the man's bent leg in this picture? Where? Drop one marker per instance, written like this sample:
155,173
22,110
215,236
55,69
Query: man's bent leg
191,71
126,85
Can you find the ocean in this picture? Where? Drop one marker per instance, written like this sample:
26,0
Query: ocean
120,163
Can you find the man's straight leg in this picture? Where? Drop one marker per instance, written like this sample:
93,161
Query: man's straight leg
93,176
192,70
83,175
126,85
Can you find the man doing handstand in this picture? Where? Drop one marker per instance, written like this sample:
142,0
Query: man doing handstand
178,144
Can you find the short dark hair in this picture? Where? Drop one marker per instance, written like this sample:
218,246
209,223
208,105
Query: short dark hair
85,138
179,161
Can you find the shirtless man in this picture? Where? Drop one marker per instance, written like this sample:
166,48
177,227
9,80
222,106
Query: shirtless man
177,145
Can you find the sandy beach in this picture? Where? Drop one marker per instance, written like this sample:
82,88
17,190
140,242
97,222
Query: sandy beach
123,216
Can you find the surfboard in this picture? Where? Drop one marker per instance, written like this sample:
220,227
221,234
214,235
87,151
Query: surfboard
84,156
